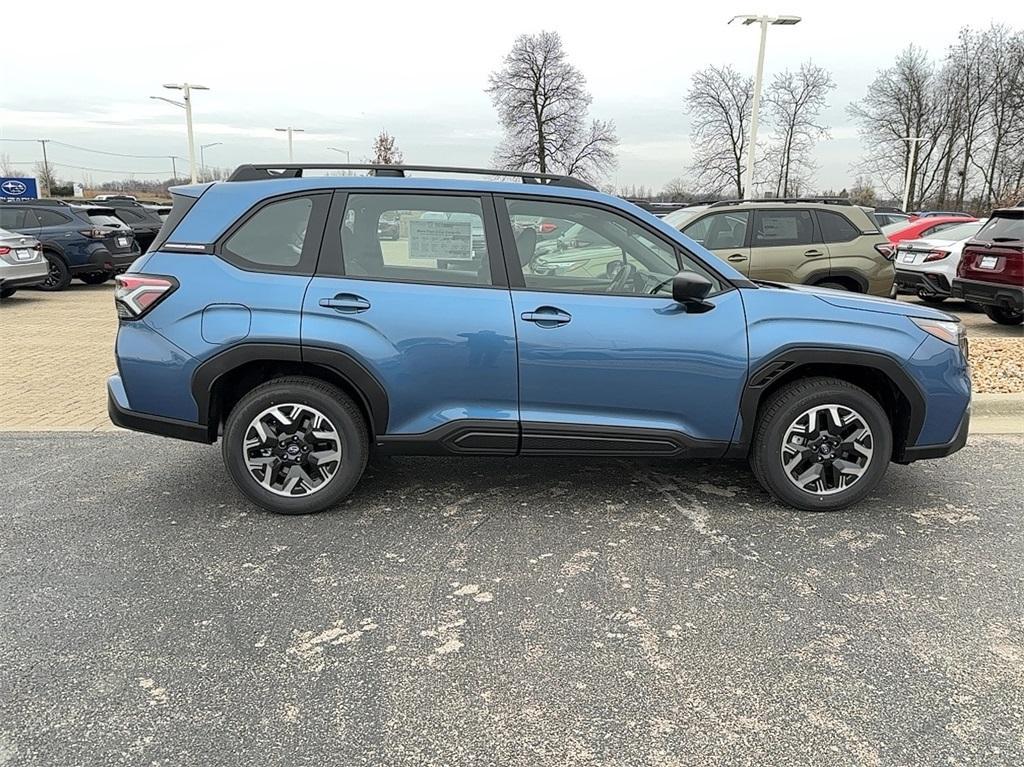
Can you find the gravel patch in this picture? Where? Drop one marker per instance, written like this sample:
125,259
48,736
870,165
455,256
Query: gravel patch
997,365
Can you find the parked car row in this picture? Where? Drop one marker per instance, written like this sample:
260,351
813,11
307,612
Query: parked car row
86,241
979,261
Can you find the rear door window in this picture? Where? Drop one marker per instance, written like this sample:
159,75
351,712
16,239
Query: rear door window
416,238
51,218
774,228
280,236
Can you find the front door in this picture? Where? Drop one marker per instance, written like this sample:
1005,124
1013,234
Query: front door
608,362
404,289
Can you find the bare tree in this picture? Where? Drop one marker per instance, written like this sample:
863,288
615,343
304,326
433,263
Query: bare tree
6,166
44,173
794,100
719,102
542,102
385,152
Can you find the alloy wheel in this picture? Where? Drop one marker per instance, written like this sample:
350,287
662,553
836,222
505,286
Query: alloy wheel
53,274
827,449
292,450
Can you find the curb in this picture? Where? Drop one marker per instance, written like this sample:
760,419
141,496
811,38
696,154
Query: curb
997,414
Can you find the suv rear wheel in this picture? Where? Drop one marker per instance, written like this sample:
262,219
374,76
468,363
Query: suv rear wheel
1003,316
295,445
821,444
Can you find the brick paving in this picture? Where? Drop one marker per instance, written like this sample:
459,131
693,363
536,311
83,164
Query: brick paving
56,351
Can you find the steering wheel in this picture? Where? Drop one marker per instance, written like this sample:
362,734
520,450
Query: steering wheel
622,277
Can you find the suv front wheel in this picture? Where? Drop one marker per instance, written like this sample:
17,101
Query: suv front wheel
295,445
821,444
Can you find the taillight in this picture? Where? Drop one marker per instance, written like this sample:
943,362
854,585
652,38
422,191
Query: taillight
137,294
888,250
94,233
936,255
547,227
4,250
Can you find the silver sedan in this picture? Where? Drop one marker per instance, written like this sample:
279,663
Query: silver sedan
21,262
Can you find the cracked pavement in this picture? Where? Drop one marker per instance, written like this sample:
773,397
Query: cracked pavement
505,612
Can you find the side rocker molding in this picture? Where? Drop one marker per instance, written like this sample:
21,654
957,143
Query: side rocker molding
793,358
372,395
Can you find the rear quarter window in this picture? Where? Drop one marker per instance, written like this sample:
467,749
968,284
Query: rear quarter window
835,227
281,236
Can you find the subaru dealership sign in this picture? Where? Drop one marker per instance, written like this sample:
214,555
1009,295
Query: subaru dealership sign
18,188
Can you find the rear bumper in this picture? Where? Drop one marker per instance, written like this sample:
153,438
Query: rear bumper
102,260
990,294
923,452
932,284
23,275
121,415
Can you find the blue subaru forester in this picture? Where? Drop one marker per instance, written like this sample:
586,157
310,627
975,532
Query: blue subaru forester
272,313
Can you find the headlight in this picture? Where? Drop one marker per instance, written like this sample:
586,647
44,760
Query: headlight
945,330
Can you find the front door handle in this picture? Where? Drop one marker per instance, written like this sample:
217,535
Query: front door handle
547,316
737,257
346,303
813,253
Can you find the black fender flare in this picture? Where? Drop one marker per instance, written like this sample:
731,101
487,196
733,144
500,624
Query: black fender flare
789,359
366,386
824,275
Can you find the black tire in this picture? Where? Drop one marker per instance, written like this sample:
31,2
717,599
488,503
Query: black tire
931,298
7,292
1003,316
338,408
96,278
834,286
783,408
59,276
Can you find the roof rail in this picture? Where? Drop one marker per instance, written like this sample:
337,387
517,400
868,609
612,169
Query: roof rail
37,201
821,200
264,171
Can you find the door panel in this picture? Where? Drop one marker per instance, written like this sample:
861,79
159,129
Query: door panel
443,351
630,362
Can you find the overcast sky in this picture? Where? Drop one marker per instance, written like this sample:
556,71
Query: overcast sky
343,71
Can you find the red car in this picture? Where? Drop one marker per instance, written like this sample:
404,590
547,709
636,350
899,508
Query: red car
922,228
991,269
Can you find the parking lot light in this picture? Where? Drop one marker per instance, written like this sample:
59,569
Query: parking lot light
290,130
186,104
764,21
202,156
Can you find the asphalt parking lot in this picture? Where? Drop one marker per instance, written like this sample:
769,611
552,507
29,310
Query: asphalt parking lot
500,612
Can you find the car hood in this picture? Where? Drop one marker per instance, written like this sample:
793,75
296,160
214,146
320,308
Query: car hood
846,300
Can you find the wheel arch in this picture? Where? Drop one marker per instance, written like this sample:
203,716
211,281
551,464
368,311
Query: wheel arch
849,277
879,374
219,382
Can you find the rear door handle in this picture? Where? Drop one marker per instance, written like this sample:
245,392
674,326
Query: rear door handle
547,316
737,257
346,303
813,253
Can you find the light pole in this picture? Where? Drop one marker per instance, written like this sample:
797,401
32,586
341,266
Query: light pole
911,160
290,130
764,21
348,155
202,155
174,168
186,104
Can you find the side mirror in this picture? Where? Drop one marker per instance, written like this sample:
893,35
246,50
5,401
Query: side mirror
690,289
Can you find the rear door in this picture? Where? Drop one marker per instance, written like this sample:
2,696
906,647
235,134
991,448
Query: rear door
726,234
786,246
427,315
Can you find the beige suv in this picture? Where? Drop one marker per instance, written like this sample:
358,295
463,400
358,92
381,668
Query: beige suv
823,241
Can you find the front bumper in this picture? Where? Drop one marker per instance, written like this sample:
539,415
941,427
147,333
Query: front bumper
23,275
121,415
924,452
926,282
990,294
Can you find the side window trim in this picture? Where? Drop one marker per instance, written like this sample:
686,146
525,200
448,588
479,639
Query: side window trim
331,262
310,244
515,269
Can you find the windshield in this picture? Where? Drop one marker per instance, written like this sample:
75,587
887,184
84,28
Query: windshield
1004,228
959,232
